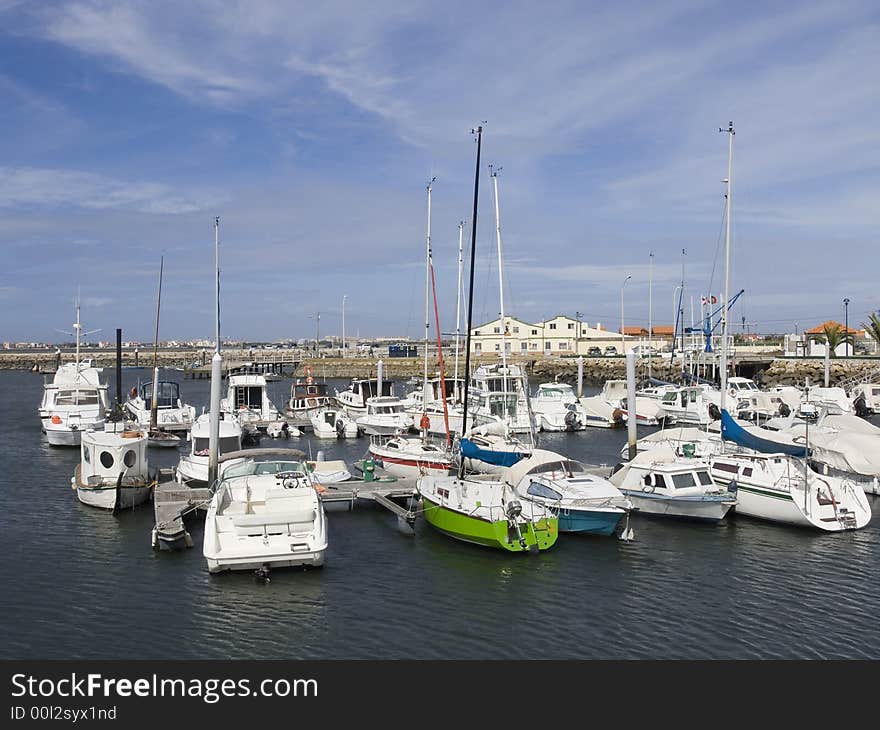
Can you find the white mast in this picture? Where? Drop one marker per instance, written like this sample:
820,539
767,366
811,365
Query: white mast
730,133
494,173
458,303
77,327
427,302
216,367
650,309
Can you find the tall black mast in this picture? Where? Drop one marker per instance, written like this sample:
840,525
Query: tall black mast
467,350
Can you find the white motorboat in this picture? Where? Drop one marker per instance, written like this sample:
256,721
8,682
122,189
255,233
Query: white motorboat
785,399
331,423
75,400
171,412
869,395
73,407
281,430
247,400
597,412
751,403
306,399
556,408
583,502
660,482
648,411
193,467
265,514
353,400
832,400
385,416
690,405
410,456
501,391
113,472
782,488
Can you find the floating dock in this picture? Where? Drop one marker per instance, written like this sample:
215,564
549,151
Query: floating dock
174,502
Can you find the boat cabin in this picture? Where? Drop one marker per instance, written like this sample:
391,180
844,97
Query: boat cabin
167,394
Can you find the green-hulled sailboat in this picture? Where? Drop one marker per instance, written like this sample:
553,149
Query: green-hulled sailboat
483,509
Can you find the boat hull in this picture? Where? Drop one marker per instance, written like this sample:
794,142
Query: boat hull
590,522
541,534
313,558
63,437
703,510
104,497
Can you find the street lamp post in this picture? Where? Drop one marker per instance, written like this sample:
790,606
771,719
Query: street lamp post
846,325
622,342
317,318
343,326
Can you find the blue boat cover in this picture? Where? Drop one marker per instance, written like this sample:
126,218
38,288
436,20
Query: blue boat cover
470,450
732,431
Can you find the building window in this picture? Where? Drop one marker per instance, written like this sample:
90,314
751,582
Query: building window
534,332
563,345
497,330
478,347
547,345
476,333
553,325
523,346
534,345
516,330
497,347
571,325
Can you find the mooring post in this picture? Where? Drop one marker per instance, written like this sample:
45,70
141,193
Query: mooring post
580,376
827,362
631,435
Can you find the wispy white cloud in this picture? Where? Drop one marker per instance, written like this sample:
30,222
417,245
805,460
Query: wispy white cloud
40,187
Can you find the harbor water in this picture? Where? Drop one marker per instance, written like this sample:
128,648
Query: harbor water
79,583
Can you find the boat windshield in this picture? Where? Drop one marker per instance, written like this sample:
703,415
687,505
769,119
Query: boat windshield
565,467
227,444
497,405
683,481
76,398
168,394
257,468
536,489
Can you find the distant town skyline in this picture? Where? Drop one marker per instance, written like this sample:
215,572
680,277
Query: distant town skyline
311,131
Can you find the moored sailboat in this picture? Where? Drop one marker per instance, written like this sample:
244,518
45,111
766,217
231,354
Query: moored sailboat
484,510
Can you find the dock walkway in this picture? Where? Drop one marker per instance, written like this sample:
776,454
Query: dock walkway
174,502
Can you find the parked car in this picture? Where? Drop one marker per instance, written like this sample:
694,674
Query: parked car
610,351
594,352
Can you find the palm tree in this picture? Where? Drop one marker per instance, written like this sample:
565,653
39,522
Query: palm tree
834,335
873,328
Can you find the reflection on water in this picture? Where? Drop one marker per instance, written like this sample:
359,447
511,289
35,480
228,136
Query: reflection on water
83,583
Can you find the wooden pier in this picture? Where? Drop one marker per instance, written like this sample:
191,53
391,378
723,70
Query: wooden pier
281,365
174,502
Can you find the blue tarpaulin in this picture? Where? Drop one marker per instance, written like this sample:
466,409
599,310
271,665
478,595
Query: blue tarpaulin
470,450
732,431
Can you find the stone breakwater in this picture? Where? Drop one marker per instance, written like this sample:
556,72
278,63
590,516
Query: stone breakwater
596,370
795,371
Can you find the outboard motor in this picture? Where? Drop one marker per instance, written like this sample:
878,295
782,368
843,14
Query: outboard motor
714,412
571,420
860,405
784,410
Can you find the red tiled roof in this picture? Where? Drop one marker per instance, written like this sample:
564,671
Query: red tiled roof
820,329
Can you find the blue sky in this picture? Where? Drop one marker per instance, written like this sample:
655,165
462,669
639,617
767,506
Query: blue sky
311,129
